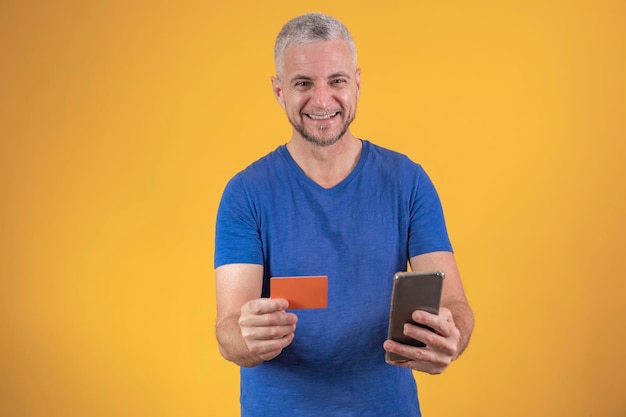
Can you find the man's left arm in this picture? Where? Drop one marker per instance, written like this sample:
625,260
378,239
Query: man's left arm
452,327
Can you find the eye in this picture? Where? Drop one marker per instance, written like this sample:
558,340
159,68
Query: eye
338,81
302,84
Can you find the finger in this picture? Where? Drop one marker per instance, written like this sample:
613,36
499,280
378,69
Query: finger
268,349
439,344
410,352
279,318
442,324
420,359
426,336
444,339
252,333
261,306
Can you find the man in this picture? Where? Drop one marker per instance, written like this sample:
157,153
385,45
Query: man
328,203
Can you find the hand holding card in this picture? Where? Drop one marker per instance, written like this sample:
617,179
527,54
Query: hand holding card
301,292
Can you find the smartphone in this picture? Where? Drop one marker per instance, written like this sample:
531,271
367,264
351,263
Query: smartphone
412,291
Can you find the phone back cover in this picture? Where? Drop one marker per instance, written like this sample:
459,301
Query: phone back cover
412,291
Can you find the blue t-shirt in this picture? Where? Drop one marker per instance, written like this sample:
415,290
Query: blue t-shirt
358,233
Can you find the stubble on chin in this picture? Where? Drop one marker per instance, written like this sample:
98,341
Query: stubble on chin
320,140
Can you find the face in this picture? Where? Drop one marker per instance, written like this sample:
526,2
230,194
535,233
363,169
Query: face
318,89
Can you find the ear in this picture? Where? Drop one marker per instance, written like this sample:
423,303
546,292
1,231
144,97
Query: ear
278,91
358,82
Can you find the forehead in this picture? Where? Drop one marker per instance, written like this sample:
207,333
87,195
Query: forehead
318,58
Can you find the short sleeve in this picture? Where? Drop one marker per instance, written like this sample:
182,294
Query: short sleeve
427,228
237,232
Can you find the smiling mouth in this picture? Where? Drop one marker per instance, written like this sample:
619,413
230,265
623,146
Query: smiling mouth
321,116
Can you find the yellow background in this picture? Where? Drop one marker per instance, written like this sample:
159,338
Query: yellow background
121,121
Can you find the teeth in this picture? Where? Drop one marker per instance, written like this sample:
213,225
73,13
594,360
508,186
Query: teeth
321,117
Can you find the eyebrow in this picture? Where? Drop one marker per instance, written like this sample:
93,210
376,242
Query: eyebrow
340,74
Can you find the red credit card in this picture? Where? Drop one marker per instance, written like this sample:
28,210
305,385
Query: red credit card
301,292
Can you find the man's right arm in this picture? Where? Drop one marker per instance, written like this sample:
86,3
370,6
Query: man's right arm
249,329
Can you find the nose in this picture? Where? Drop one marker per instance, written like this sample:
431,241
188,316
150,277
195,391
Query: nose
322,96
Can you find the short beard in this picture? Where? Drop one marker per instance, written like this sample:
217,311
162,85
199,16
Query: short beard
316,140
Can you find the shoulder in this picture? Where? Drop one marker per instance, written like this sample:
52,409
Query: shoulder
263,165
260,172
392,162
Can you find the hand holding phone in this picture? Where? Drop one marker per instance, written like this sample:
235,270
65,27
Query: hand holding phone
412,291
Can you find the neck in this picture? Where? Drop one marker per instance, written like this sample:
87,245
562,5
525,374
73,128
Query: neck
326,165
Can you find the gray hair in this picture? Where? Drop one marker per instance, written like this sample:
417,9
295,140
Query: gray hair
308,28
